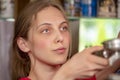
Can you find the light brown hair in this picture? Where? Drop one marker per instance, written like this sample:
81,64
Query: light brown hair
20,62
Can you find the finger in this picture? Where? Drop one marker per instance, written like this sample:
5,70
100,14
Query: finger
93,66
87,75
98,60
90,50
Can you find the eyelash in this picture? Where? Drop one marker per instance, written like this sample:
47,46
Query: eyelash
65,28
45,31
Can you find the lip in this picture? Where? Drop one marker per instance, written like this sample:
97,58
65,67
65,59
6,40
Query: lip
60,50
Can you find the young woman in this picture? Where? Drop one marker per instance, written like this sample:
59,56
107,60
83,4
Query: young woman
41,46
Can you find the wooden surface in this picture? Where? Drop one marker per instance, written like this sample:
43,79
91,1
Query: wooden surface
19,5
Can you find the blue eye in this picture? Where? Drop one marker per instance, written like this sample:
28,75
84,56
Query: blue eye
45,31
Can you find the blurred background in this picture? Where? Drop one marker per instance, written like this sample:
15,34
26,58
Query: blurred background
91,23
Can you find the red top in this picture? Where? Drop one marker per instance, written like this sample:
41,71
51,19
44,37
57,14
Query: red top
92,78
25,79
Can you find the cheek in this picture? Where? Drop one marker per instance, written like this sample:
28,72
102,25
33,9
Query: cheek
41,44
67,38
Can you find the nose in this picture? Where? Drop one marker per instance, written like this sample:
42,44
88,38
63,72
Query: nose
59,37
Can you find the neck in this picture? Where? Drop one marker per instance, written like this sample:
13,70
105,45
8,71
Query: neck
41,71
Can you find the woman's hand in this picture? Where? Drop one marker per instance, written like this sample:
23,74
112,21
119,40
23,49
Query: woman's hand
83,65
104,74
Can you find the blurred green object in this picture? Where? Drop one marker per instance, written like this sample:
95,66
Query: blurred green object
94,31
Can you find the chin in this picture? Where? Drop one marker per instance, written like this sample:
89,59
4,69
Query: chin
60,61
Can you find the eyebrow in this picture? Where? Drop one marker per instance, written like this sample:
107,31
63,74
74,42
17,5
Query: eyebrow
51,24
64,22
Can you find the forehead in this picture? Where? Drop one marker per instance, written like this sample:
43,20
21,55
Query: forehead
50,13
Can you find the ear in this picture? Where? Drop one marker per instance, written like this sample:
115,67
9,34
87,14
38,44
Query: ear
23,44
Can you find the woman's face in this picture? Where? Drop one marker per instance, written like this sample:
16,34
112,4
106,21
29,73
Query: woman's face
49,38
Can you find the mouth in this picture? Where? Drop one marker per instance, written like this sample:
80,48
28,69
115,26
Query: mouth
60,50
